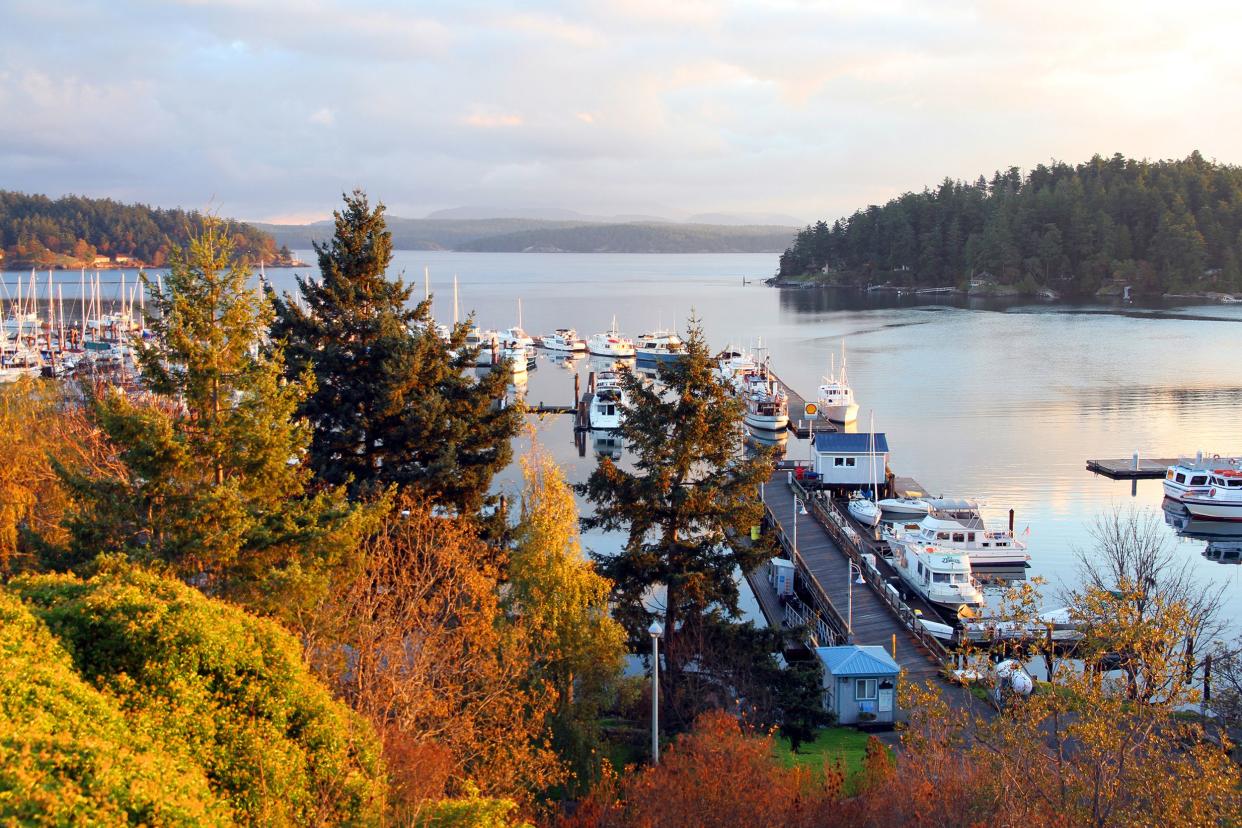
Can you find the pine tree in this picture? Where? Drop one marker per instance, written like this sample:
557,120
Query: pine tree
393,403
211,480
689,486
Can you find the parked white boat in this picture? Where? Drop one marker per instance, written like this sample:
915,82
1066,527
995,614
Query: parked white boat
1221,501
957,526
864,510
608,403
1193,473
611,343
836,398
565,339
659,346
767,406
940,576
904,506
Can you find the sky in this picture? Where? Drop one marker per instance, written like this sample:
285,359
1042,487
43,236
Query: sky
269,109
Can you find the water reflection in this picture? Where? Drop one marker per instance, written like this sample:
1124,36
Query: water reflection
1223,540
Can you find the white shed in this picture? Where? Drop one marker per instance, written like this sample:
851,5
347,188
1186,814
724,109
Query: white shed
781,576
843,459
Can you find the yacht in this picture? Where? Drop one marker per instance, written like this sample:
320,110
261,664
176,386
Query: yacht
565,339
611,343
1187,474
904,506
659,346
517,333
492,350
940,576
956,526
1222,500
733,365
767,406
608,402
836,398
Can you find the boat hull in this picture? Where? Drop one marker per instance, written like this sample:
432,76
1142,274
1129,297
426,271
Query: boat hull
645,356
866,515
768,422
1215,510
840,413
897,508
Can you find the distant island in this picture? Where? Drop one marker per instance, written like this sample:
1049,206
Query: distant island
1156,228
517,235
98,233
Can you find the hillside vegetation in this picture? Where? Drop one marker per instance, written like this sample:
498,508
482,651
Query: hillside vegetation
640,238
36,231
1164,226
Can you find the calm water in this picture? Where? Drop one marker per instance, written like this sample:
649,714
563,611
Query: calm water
1003,402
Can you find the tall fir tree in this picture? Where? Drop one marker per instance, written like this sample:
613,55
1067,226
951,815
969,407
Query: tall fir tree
690,485
394,404
211,477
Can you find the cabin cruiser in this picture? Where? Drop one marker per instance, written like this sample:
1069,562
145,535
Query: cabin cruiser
732,366
491,350
611,343
956,526
1222,500
516,334
904,506
836,398
864,510
660,346
1189,474
767,406
940,576
565,339
608,402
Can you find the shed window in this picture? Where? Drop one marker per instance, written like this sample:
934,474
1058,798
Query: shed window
865,689
849,461
838,461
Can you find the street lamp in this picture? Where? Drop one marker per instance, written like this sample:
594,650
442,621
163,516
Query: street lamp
655,631
849,623
799,508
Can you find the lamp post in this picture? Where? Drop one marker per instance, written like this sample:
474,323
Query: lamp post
655,631
849,621
799,508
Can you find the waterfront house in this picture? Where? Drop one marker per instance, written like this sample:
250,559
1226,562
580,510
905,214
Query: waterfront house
860,684
844,460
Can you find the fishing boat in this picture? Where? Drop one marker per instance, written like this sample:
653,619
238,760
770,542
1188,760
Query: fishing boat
939,576
611,343
659,346
958,526
767,405
608,402
1221,501
565,339
836,398
1193,473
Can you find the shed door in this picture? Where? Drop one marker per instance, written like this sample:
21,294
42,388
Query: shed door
886,696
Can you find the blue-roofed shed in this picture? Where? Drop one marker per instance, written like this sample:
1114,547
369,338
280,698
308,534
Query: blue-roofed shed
860,683
843,459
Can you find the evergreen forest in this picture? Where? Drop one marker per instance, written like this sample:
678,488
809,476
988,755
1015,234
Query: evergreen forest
1157,226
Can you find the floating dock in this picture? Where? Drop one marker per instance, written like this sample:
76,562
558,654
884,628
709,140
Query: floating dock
1131,468
800,425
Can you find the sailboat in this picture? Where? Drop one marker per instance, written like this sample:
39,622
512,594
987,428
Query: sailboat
836,398
864,510
517,334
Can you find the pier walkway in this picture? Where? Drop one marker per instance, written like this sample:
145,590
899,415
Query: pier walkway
799,424
826,568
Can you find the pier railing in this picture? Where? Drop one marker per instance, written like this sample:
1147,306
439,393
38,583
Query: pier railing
831,624
846,538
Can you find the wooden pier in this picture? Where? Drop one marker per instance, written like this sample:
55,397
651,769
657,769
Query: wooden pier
1131,468
823,558
800,425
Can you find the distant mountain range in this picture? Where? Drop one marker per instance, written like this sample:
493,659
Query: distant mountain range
558,214
558,230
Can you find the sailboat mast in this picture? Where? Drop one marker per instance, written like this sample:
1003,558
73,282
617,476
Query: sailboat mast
426,283
455,313
875,494
82,303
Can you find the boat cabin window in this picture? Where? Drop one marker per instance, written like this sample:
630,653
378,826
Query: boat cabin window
959,577
959,537
1234,484
838,461
940,577
970,536
920,567
1181,478
864,689
942,536
1198,480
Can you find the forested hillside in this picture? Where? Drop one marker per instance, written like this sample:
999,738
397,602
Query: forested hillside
1163,226
36,231
640,238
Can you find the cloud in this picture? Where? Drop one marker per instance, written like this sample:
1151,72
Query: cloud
492,120
585,117
323,116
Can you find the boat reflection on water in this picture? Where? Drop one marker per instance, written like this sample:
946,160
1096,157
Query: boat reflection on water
599,363
1224,539
606,443
758,439
564,359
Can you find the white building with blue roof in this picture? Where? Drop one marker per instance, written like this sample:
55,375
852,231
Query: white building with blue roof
860,684
843,459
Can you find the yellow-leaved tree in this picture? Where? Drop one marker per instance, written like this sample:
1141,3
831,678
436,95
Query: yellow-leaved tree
555,594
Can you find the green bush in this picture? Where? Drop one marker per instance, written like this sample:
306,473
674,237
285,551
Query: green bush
216,686
67,754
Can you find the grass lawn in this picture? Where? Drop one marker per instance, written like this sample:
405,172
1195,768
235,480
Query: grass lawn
832,742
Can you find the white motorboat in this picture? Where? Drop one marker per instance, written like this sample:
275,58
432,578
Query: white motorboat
836,398
1221,501
659,346
565,339
1192,473
611,343
733,366
490,350
940,576
517,333
957,526
607,408
864,510
904,506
